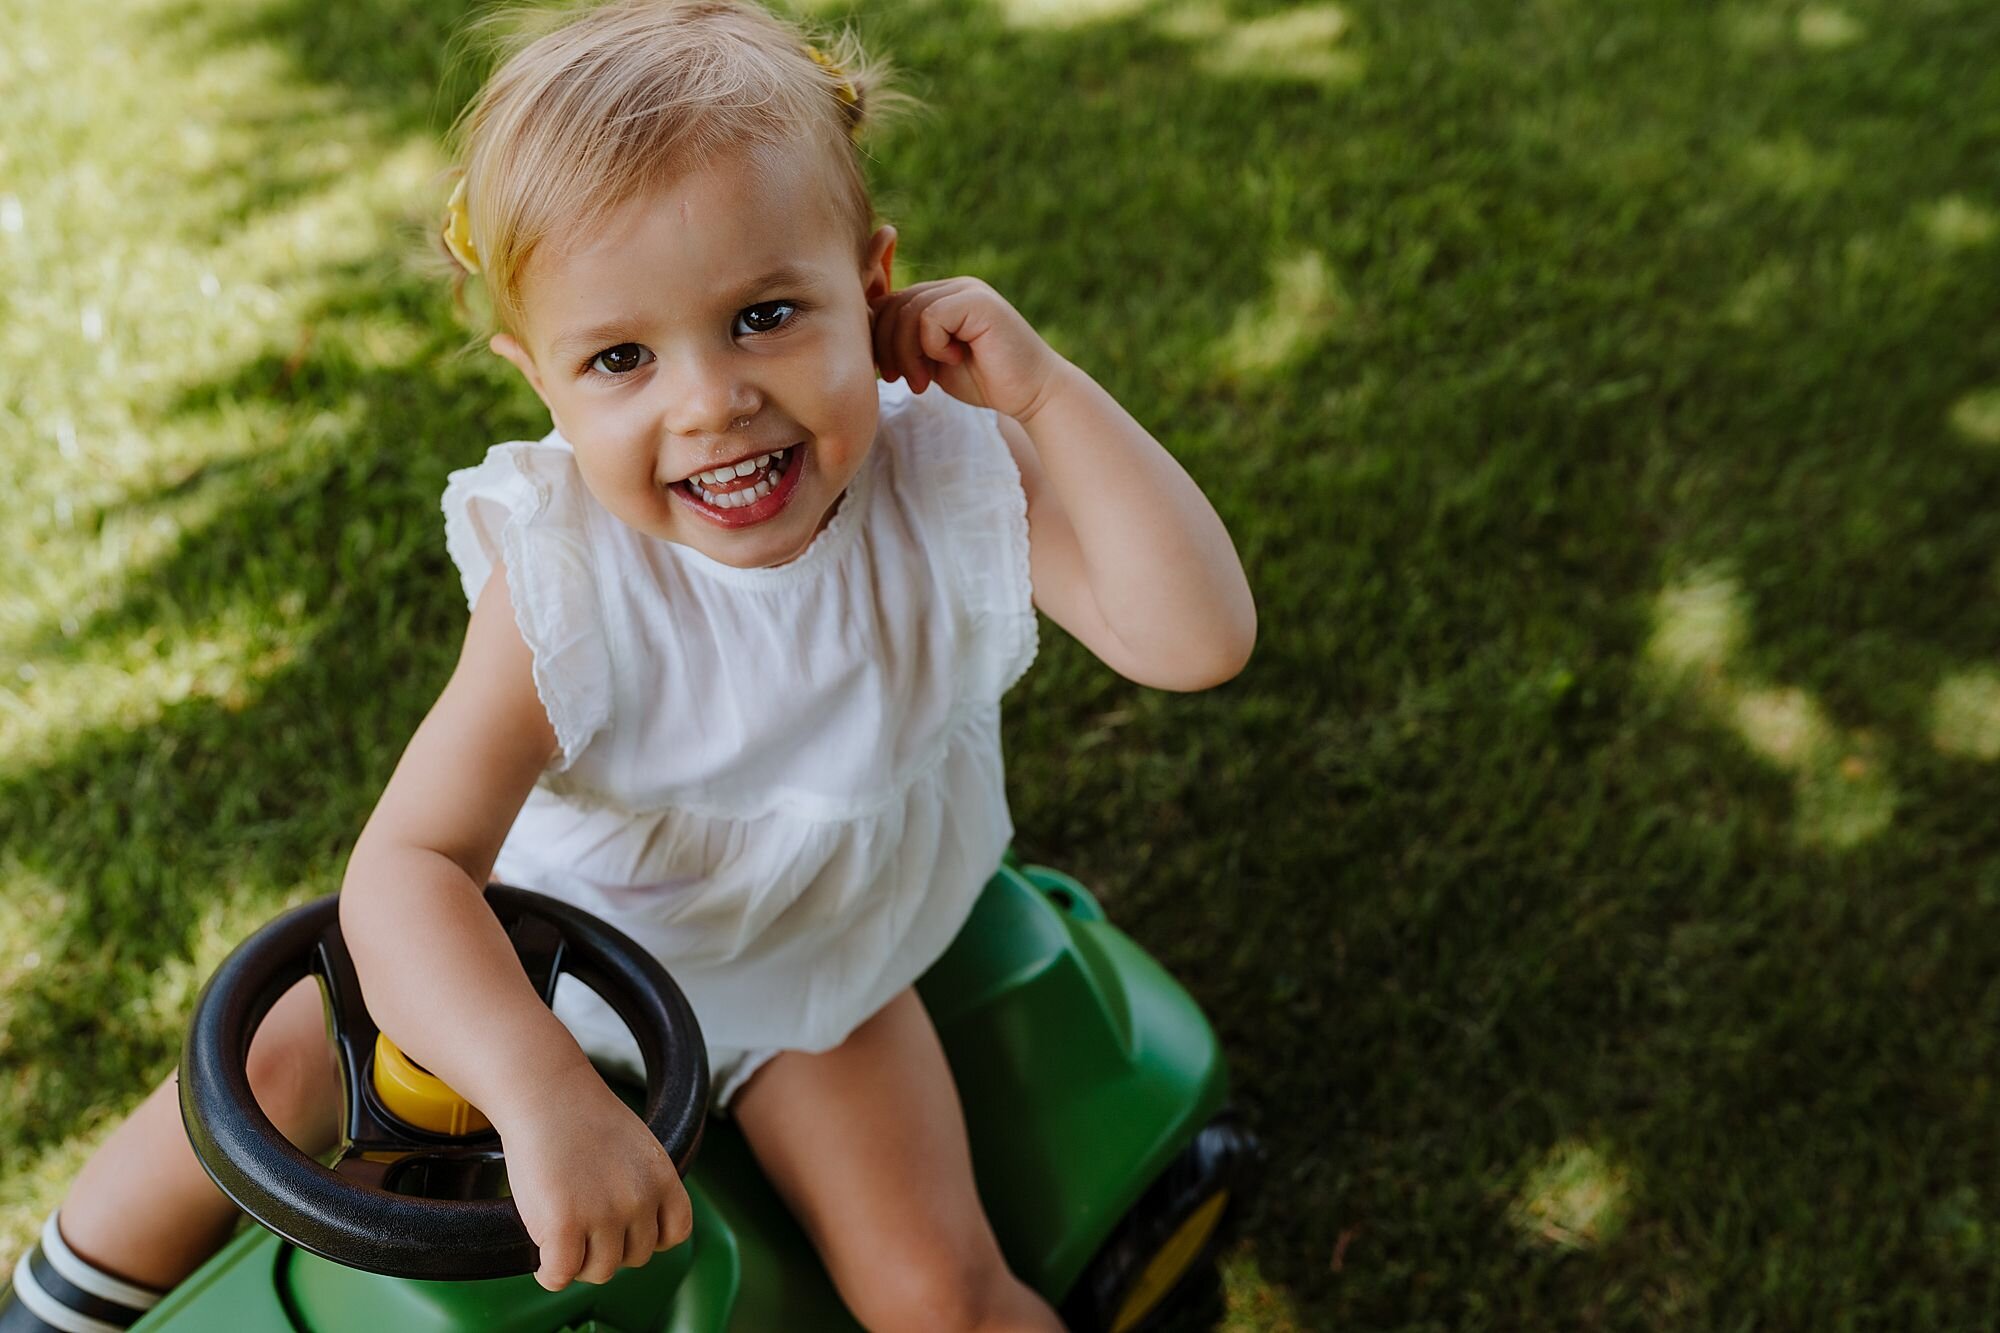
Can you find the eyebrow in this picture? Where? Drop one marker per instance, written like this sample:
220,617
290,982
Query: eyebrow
612,331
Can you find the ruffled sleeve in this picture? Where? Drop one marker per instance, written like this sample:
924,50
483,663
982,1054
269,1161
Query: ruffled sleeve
981,517
525,506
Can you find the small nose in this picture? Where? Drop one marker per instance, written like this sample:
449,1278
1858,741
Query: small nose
704,394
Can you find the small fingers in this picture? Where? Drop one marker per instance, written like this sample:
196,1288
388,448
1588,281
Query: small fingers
909,347
911,355
901,342
641,1239
560,1258
606,1251
676,1220
936,330
885,334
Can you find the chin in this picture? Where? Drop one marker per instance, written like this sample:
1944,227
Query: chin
763,550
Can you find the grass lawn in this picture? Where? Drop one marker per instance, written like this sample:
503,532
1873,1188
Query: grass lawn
1596,874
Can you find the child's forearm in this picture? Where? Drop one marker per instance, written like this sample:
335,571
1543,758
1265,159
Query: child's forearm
1159,562
443,981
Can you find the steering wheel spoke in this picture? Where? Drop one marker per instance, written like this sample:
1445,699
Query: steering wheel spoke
539,945
360,1165
353,1033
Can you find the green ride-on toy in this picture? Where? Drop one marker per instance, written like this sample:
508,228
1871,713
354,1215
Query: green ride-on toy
1093,1090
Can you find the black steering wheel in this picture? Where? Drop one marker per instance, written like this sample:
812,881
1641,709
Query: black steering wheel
400,1200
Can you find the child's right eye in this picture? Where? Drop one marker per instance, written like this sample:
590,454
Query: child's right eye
620,360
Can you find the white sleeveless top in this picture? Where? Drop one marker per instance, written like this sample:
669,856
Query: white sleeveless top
785,782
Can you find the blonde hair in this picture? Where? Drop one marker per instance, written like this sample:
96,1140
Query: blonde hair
620,99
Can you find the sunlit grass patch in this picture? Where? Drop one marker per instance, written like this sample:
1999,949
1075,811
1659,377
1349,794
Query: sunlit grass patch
1783,725
1303,43
261,279
1577,1197
1957,223
1067,13
130,506
1824,27
200,214
365,212
1965,714
135,206
1761,292
1845,803
1842,792
1305,300
35,903
1976,417
1767,27
1255,1304
1698,623
127,684
1789,165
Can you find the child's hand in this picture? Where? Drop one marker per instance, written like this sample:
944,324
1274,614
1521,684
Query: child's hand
965,336
594,1187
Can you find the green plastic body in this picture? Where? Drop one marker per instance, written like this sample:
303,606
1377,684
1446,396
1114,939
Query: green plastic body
1083,1068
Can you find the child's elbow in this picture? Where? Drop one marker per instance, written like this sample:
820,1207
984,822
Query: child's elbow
1226,652
1241,647
1235,655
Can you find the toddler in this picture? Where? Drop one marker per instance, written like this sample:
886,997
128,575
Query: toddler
740,627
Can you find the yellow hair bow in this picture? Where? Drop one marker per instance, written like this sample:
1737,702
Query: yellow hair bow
458,229
849,96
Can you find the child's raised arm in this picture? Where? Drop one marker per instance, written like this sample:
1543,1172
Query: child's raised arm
593,1186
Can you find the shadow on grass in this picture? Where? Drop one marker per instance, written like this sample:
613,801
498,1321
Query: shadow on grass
1461,886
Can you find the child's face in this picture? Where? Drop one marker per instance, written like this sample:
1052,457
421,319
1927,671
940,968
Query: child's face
719,320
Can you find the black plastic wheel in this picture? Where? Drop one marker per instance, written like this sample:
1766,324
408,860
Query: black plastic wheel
1221,1157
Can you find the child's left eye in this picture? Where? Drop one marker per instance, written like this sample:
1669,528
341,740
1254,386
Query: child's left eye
764,317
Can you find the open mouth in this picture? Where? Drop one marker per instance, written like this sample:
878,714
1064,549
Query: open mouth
747,492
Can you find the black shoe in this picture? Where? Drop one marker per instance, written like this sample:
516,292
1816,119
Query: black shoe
54,1291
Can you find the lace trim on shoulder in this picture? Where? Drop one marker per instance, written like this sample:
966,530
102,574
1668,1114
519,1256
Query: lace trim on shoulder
550,579
984,512
1021,599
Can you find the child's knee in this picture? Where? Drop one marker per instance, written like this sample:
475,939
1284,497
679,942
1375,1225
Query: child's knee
292,1070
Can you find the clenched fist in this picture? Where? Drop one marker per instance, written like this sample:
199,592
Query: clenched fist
594,1188
964,336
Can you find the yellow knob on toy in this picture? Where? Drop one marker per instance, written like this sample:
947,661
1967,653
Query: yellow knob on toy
416,1096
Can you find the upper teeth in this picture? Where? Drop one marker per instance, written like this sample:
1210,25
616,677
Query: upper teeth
722,476
745,495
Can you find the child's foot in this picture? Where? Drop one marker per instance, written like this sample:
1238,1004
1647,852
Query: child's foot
54,1291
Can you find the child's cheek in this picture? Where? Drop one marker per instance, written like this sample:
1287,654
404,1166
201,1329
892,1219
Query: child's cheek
831,379
849,363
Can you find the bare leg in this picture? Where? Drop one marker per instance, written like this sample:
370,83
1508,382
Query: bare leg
142,1208
867,1144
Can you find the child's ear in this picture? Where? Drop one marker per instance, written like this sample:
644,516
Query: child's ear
507,348
877,270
